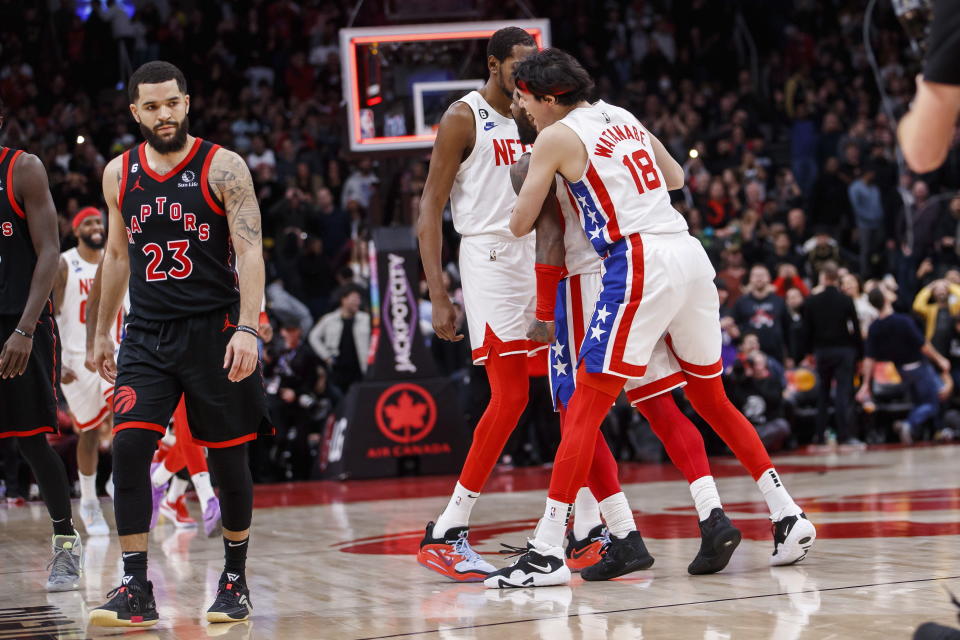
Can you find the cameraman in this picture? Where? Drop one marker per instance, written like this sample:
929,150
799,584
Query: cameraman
927,131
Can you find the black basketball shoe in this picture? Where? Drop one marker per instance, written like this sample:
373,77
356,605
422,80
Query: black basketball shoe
538,566
718,540
232,603
934,631
129,605
620,557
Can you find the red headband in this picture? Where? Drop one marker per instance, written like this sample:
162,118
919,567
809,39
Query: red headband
525,87
83,214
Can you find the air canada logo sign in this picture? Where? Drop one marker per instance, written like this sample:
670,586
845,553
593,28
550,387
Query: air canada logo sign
406,413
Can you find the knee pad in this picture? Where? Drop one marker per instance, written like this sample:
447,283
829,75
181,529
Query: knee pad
132,451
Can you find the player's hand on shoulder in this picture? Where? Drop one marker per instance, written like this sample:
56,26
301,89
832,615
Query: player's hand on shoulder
103,358
242,356
445,320
518,172
540,331
15,356
67,375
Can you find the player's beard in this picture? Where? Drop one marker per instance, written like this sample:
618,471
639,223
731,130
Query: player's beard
525,128
508,93
169,145
90,242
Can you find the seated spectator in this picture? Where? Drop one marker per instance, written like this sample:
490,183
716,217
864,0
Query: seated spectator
894,337
342,339
259,154
750,345
758,394
316,406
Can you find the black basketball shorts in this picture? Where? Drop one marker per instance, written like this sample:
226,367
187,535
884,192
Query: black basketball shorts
160,360
28,403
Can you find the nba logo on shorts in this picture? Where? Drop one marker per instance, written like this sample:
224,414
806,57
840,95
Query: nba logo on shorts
493,255
553,512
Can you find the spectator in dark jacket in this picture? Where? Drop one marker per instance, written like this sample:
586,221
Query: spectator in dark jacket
761,311
832,334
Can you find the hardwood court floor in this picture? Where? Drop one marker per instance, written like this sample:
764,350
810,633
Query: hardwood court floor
335,560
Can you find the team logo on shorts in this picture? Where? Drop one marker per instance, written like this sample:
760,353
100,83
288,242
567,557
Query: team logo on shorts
124,399
406,413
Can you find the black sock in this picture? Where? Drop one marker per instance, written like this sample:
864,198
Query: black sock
235,558
135,564
63,527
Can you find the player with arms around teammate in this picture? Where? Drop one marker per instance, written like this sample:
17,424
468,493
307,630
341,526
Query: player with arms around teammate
656,280
87,394
184,210
476,144
29,249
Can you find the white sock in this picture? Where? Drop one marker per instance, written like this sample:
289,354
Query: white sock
552,527
161,475
178,487
201,482
88,487
457,513
705,496
778,500
586,513
109,486
616,512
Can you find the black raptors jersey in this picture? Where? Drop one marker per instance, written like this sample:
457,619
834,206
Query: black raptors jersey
181,255
17,257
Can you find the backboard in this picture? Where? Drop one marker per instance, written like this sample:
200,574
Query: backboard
398,80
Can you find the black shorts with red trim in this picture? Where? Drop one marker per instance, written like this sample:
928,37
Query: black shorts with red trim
28,403
160,360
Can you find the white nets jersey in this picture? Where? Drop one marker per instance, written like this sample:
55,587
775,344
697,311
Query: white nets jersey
622,191
482,196
579,255
72,316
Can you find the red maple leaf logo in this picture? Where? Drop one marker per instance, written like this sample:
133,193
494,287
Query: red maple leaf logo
406,414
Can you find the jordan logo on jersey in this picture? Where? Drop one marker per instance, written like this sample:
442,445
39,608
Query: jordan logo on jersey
136,185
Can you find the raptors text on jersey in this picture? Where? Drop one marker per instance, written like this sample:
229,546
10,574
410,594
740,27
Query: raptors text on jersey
178,239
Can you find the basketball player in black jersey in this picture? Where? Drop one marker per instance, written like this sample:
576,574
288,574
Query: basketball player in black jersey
189,243
29,357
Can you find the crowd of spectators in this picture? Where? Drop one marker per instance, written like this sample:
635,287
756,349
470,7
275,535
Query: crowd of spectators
773,108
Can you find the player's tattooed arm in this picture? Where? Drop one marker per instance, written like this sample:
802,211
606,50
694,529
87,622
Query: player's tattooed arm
230,177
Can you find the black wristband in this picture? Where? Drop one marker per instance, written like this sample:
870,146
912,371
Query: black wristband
245,329
24,333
